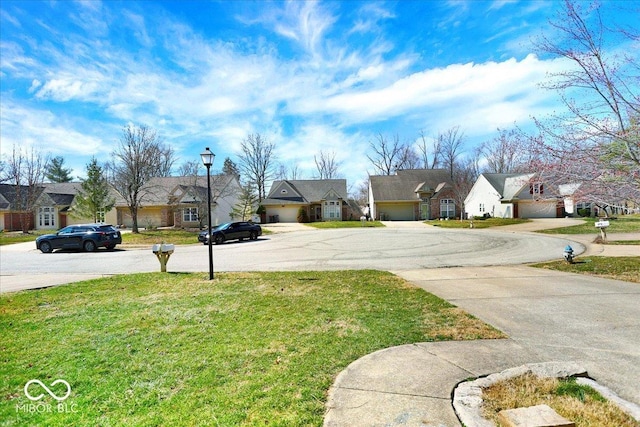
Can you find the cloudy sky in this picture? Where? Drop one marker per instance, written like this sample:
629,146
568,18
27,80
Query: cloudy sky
305,75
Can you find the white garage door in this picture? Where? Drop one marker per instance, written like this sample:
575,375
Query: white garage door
537,210
286,214
395,211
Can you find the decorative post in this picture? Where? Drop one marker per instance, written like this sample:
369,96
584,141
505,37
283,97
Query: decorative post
207,159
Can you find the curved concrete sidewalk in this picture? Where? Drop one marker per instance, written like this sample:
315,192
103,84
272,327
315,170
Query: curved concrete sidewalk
548,315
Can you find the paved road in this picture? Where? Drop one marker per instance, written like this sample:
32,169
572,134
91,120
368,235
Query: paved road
22,266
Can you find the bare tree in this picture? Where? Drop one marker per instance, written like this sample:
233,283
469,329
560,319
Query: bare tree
430,153
506,153
389,156
257,162
326,164
284,172
465,174
139,157
596,142
26,171
190,168
451,143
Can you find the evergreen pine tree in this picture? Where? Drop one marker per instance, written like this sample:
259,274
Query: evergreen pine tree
247,201
56,172
94,196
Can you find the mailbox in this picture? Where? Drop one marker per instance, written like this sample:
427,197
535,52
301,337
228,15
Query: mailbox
163,251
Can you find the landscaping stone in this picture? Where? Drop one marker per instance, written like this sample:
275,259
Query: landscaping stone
533,416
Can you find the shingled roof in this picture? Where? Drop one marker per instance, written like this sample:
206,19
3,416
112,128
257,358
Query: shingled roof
403,185
305,190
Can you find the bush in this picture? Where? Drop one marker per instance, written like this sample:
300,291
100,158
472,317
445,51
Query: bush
584,212
302,215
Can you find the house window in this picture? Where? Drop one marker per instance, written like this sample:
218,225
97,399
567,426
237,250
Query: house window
332,210
46,216
100,215
482,207
190,214
447,208
536,188
283,191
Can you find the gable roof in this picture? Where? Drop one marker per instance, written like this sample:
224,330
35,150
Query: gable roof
405,183
9,196
508,185
160,191
304,191
60,193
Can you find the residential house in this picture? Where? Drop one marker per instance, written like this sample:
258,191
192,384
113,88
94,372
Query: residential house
512,196
322,199
181,201
12,211
412,195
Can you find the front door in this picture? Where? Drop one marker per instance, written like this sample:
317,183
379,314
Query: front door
424,210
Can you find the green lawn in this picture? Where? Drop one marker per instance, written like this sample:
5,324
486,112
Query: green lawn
623,224
248,349
345,224
621,268
11,237
477,223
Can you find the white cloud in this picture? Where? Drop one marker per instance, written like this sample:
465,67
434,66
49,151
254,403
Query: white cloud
41,129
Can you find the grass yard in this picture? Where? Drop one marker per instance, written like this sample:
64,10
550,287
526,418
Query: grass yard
248,349
477,223
151,237
344,224
620,268
578,403
623,224
11,237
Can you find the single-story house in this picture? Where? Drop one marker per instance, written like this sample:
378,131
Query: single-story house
181,201
411,195
503,195
322,199
12,208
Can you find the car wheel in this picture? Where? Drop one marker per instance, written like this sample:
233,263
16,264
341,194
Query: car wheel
45,247
110,247
219,239
253,235
89,246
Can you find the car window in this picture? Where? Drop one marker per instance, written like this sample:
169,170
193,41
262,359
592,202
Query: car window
66,230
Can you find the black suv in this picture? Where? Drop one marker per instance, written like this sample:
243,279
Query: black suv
231,231
87,237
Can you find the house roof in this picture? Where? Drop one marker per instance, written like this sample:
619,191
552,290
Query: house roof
61,193
305,191
508,185
405,183
160,190
9,197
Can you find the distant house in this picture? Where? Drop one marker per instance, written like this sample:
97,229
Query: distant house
13,201
181,201
411,195
53,207
512,196
322,199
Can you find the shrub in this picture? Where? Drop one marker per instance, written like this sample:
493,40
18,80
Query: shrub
302,215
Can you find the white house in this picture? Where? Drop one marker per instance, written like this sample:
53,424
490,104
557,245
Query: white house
503,195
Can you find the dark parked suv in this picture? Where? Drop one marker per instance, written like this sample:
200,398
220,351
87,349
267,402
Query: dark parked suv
231,231
87,237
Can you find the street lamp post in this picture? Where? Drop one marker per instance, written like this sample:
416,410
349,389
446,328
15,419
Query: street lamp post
207,159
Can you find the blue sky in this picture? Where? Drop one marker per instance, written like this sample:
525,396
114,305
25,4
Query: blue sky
305,75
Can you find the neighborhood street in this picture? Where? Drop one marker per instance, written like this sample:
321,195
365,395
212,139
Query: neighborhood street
411,247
